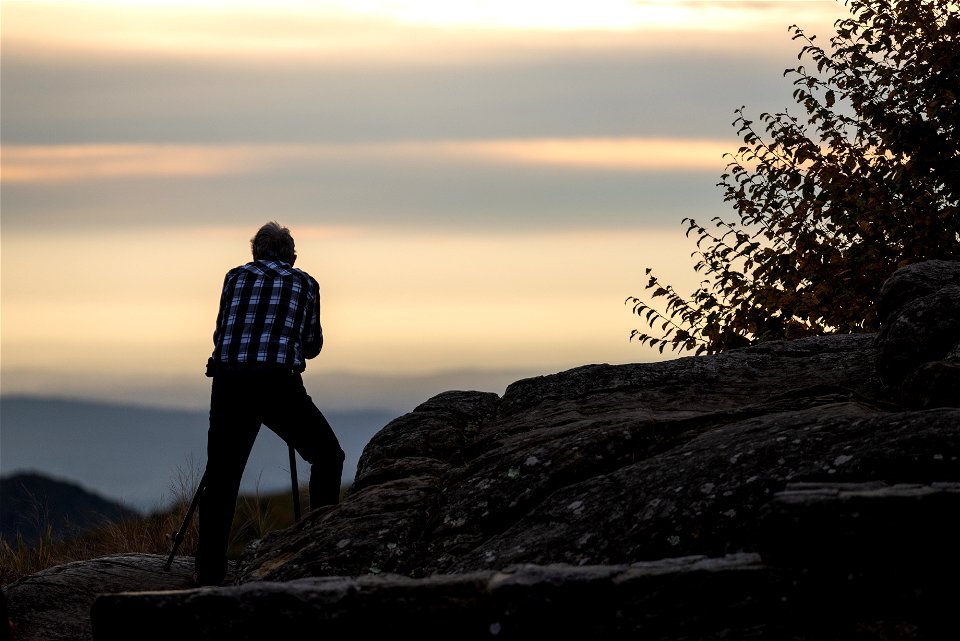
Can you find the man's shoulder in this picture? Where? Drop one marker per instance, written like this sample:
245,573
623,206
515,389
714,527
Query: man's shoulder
262,267
303,273
239,268
311,281
271,269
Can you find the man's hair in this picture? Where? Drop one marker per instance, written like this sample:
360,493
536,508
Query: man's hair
273,242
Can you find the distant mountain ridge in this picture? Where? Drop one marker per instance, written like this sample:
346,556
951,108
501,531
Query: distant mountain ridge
143,457
32,502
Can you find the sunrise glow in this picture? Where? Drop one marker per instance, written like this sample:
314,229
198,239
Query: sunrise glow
428,31
476,184
565,15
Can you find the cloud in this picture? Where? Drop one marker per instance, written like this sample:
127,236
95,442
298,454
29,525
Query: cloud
572,95
619,154
64,163
107,73
375,30
450,185
60,163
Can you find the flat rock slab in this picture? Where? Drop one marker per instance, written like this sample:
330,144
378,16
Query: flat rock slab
732,597
522,602
54,605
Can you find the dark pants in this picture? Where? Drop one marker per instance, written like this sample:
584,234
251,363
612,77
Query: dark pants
240,402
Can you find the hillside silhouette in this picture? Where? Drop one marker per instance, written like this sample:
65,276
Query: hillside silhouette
31,504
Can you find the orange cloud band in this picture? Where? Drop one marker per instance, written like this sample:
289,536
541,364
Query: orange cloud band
64,163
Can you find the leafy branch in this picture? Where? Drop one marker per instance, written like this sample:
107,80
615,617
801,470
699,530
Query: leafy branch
829,205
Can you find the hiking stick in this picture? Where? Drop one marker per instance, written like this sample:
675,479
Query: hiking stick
295,483
182,532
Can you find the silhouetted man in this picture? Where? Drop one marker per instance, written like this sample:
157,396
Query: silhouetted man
267,327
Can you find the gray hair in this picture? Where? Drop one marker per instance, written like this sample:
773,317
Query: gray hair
273,242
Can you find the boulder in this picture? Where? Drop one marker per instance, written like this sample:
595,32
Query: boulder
54,604
918,346
912,282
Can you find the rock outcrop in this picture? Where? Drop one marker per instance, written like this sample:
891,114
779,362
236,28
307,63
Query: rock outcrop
918,352
779,491
54,604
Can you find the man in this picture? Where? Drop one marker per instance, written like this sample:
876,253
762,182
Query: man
267,327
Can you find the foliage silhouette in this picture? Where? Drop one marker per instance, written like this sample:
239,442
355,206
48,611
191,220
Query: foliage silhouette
830,205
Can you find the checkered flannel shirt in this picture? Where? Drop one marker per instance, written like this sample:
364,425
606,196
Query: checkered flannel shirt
269,314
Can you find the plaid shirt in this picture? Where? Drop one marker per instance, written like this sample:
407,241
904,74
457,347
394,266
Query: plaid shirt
269,314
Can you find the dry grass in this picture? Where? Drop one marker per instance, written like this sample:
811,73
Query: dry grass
149,535
256,515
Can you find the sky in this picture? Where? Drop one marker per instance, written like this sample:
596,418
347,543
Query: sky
478,186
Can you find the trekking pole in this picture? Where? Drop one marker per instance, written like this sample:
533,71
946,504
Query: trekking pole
182,532
295,483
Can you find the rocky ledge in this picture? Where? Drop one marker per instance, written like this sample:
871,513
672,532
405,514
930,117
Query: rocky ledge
803,490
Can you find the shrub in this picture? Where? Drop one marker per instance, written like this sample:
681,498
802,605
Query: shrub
830,205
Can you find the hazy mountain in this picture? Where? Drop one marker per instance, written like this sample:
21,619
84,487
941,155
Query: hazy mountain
144,457
29,503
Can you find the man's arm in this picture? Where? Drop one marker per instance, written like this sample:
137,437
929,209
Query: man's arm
224,303
313,330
